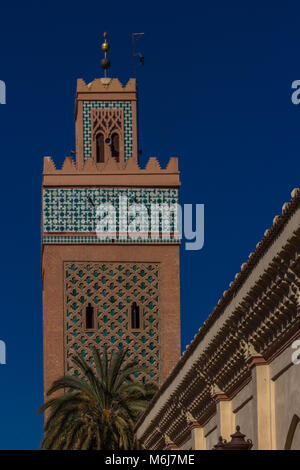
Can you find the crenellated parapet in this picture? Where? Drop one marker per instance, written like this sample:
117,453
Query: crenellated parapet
111,173
106,85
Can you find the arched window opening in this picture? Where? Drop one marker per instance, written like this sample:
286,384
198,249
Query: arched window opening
135,316
115,147
100,148
89,317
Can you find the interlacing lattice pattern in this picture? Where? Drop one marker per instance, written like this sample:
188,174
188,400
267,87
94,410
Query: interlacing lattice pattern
88,106
107,121
111,288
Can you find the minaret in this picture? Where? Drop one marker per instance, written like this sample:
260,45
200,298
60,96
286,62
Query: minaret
118,291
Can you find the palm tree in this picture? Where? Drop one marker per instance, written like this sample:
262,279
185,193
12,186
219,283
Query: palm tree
97,411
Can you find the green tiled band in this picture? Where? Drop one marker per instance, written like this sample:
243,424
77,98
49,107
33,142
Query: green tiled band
74,210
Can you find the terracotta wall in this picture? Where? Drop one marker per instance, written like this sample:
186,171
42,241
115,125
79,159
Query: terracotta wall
53,297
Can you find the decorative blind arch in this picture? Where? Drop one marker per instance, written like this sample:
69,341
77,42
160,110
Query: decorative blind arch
110,123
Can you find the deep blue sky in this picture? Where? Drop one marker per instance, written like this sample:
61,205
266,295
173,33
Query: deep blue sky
215,91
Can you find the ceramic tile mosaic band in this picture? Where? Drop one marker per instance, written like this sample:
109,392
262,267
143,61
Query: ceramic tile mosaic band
68,210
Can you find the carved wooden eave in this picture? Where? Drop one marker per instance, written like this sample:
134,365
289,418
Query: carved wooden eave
257,317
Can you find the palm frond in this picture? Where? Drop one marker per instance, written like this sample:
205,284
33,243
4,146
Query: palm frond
97,410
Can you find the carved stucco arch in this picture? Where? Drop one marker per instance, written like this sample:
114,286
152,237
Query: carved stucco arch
108,121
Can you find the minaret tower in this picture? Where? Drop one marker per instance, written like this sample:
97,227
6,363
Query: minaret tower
116,290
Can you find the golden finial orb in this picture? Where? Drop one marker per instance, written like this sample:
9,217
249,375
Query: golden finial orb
105,46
